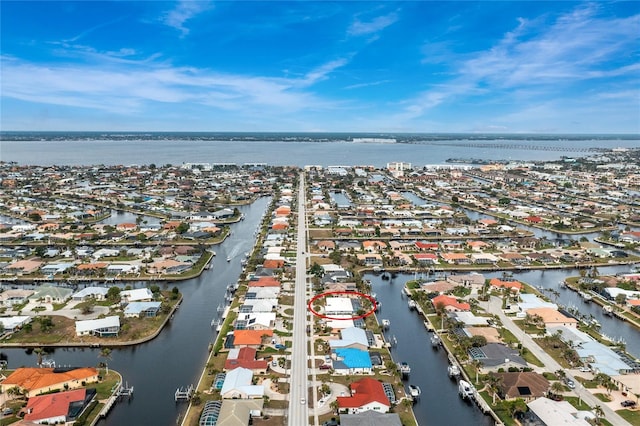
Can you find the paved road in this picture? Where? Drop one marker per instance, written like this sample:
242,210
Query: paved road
298,407
494,305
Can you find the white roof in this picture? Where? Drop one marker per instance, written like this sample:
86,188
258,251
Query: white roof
91,291
134,308
556,412
89,325
350,335
239,379
9,323
338,304
136,294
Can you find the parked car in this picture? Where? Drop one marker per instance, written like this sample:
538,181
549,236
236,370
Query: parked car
280,346
628,403
584,369
570,384
325,367
7,412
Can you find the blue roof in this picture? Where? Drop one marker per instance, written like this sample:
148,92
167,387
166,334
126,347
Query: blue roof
135,308
354,358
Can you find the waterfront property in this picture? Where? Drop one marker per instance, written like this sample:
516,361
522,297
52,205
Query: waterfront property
35,381
366,394
101,327
60,407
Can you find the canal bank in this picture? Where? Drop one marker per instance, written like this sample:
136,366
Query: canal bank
174,358
428,366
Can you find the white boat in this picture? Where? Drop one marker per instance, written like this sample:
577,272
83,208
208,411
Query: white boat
404,368
453,370
415,391
435,340
465,389
607,310
386,323
412,304
228,258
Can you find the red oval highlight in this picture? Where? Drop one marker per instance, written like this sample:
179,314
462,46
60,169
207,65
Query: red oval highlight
350,293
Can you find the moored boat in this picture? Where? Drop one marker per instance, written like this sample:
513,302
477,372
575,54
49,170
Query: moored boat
435,340
465,389
453,370
415,391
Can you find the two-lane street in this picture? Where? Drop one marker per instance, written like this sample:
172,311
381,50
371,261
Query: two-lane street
298,404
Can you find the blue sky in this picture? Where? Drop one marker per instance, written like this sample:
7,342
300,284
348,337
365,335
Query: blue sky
421,66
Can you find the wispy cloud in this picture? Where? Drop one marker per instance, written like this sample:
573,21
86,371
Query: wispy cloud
541,61
367,84
359,28
136,86
184,11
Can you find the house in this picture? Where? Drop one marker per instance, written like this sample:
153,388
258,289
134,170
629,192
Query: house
48,294
546,412
367,394
250,338
14,297
14,323
552,317
236,412
101,327
27,266
513,286
34,381
136,295
144,309
349,361
525,385
494,356
449,303
60,407
246,358
338,306
238,385
97,293
351,337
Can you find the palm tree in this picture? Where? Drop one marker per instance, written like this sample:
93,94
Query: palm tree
106,354
599,412
556,388
477,365
493,384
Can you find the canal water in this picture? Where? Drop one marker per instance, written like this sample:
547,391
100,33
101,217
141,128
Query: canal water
429,366
176,357
439,403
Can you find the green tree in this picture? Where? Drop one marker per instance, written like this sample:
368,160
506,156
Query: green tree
182,228
113,294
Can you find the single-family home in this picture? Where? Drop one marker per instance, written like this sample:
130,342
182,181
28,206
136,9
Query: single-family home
101,327
367,394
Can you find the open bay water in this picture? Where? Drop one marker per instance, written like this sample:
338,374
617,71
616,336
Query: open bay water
292,153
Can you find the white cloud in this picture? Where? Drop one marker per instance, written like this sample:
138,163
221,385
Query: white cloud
359,27
184,11
135,87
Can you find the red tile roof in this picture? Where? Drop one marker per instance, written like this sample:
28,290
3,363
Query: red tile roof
246,359
365,391
450,301
52,405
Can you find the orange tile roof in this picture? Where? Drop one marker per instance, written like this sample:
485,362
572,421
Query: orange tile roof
89,266
265,282
497,282
450,301
38,378
273,263
250,337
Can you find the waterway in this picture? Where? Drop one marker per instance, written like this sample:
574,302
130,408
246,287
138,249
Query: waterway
439,403
429,366
176,357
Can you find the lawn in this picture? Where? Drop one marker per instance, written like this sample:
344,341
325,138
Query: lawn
633,417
